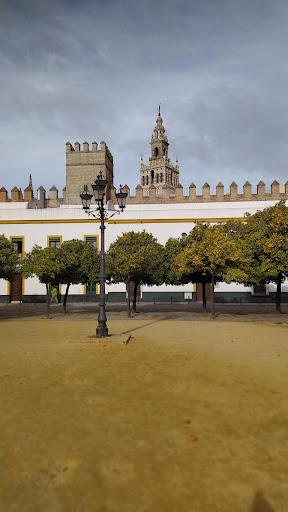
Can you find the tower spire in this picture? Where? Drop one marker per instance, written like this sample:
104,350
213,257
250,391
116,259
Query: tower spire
160,171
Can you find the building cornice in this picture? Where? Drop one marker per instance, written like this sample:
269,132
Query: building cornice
122,221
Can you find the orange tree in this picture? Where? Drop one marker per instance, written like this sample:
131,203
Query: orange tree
81,264
46,264
135,258
211,255
8,259
266,245
173,247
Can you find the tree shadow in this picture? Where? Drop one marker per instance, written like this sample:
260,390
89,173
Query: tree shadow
140,327
260,504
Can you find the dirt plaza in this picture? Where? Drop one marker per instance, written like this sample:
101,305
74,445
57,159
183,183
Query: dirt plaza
189,416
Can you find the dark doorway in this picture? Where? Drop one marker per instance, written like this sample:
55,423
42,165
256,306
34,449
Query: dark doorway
199,295
16,288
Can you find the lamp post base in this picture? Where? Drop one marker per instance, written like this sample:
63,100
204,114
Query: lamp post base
102,331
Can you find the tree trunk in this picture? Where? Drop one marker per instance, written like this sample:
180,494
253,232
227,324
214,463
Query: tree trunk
65,298
278,293
47,300
204,298
135,297
128,297
212,298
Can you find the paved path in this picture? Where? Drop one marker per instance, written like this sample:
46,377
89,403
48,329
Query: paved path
177,311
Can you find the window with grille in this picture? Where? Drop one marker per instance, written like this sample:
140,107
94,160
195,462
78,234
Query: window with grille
91,240
54,241
17,243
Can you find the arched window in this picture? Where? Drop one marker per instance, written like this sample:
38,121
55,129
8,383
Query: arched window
143,180
161,177
152,176
164,151
156,151
147,180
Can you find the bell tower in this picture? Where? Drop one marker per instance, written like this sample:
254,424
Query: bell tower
160,170
159,142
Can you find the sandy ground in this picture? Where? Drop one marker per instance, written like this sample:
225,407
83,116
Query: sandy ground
190,416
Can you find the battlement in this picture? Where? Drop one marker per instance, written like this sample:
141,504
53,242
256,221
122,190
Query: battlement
94,148
150,195
29,201
83,167
168,194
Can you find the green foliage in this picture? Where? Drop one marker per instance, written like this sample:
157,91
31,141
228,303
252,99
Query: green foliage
75,262
90,264
45,263
173,247
80,263
8,259
266,244
136,257
210,252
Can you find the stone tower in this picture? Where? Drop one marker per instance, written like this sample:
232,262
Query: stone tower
160,171
83,167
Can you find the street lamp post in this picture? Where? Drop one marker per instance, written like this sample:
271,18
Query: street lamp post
99,189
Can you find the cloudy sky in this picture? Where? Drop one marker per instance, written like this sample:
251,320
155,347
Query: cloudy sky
97,70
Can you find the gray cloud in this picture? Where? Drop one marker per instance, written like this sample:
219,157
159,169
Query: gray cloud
98,71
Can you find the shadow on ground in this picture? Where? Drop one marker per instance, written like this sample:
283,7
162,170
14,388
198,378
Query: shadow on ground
177,311
260,504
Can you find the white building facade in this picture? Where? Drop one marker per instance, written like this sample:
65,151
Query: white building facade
52,226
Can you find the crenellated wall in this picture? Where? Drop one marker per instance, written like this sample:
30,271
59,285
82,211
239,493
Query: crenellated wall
149,196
